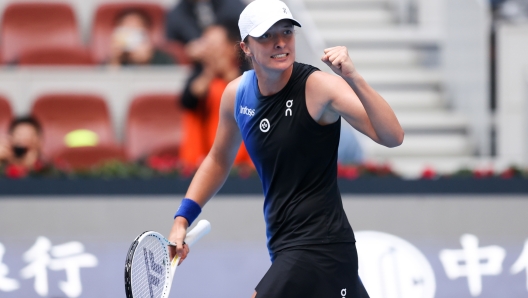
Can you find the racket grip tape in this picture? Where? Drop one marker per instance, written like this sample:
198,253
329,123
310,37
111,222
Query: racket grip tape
203,227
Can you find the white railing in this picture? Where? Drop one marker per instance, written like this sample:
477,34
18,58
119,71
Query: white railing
464,26
524,129
427,14
512,93
466,62
403,10
432,13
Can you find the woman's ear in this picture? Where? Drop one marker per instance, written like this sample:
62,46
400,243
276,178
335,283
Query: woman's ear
245,49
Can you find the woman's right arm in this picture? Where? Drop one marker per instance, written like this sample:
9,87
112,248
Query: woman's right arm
215,168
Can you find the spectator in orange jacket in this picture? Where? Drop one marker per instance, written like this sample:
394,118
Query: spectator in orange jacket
201,98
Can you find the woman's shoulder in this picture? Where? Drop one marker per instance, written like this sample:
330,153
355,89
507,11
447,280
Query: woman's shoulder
234,85
323,86
231,89
320,77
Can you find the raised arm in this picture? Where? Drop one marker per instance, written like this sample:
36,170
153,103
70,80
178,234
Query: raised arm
354,99
215,168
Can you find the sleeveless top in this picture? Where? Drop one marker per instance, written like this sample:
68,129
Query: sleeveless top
296,160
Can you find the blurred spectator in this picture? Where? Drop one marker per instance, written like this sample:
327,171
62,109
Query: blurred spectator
131,44
496,3
21,151
512,10
350,150
217,55
216,51
190,18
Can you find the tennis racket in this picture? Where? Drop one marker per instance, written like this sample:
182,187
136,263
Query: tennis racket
148,269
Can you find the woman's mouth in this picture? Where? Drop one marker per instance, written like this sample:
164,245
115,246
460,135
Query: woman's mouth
279,56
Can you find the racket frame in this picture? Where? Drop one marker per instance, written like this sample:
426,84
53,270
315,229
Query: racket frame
128,264
201,229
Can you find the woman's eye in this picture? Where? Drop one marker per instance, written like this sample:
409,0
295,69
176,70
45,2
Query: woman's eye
265,35
288,31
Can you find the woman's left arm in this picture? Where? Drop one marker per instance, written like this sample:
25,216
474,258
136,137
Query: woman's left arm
381,118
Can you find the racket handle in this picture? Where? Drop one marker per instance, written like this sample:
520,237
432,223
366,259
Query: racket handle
202,228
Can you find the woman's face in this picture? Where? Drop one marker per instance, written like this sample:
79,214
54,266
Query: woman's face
217,43
131,33
25,135
133,21
275,49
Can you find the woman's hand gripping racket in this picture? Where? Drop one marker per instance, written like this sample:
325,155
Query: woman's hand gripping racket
148,269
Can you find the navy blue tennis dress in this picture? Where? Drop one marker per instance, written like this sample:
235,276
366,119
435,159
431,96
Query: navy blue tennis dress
310,240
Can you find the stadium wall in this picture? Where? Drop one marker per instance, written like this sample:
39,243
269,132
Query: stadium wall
407,244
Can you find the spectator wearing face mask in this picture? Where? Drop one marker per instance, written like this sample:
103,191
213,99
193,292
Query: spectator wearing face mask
131,43
20,153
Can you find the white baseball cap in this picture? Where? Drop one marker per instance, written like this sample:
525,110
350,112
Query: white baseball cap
260,15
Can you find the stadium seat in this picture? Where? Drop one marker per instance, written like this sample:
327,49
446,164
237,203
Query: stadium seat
84,158
5,116
56,56
153,125
72,120
32,25
103,24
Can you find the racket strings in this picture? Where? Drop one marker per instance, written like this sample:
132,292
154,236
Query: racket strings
156,267
150,268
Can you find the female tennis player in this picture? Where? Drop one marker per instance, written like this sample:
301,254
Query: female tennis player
288,115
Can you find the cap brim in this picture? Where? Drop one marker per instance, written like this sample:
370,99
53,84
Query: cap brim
264,26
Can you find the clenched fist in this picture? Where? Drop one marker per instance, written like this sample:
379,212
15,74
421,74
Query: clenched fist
338,60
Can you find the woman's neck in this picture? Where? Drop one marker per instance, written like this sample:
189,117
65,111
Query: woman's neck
271,82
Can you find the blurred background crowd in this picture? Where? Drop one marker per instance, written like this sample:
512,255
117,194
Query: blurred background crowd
443,65
74,131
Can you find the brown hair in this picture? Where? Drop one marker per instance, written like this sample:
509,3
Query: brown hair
145,17
25,120
244,60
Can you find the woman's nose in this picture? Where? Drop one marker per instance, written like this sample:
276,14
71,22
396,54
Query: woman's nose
280,42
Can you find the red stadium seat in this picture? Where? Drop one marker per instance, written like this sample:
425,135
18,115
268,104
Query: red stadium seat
153,126
103,25
32,25
5,116
84,158
62,114
56,56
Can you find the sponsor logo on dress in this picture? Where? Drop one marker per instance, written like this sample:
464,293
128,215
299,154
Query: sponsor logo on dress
343,293
289,104
247,111
264,125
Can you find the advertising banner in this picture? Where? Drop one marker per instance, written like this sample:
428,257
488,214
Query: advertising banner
408,246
